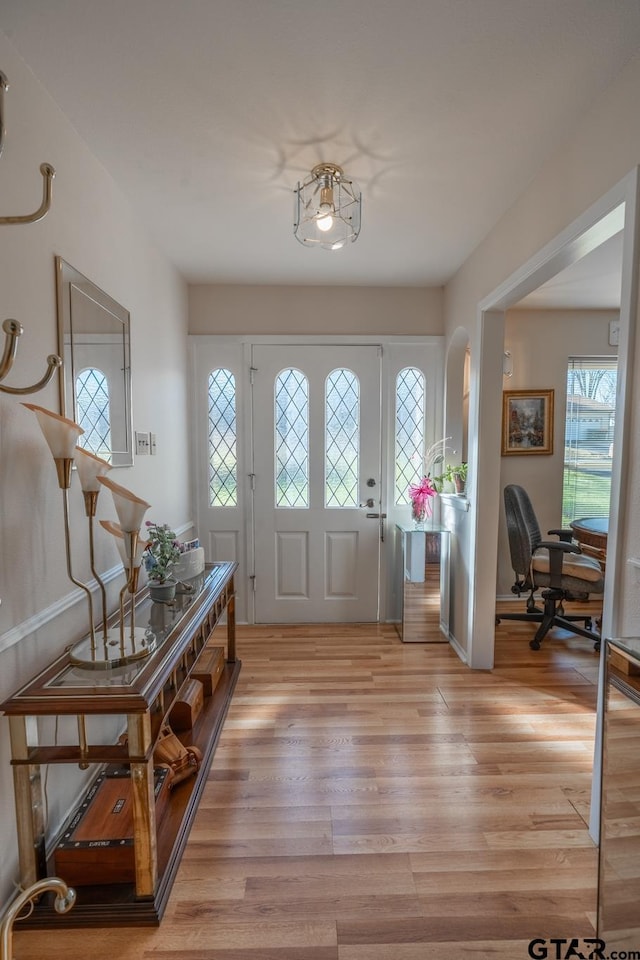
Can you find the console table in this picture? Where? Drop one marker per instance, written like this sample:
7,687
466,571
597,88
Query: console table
423,571
142,693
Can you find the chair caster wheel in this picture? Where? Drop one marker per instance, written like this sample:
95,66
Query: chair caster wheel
588,623
534,644
596,646
497,621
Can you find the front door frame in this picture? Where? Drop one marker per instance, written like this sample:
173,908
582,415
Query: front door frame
394,349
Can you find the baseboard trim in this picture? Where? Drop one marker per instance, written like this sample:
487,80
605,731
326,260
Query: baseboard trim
458,649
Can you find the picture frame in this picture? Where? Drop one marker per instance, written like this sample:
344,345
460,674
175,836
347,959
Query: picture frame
527,422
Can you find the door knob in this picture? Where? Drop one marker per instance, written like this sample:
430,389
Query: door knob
369,504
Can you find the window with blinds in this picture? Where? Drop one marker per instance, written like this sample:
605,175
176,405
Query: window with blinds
588,438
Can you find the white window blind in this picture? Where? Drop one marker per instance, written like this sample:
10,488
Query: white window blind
589,423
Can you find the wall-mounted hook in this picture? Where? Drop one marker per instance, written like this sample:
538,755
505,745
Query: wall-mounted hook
4,86
12,331
64,901
47,171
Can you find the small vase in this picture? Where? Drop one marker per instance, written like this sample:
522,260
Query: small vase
418,516
162,592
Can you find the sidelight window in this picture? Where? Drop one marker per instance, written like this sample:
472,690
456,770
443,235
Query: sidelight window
409,431
93,412
223,440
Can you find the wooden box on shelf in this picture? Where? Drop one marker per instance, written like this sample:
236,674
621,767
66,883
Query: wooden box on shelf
208,668
188,704
97,846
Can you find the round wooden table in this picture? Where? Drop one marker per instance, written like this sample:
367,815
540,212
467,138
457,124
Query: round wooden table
591,530
591,533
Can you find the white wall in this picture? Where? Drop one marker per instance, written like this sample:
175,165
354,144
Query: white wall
540,342
92,226
602,149
274,310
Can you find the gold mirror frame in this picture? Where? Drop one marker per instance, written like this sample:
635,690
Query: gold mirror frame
94,332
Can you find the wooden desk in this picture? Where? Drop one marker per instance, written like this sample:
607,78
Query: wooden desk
591,533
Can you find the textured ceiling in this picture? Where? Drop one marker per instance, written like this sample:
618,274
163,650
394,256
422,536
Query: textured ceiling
207,112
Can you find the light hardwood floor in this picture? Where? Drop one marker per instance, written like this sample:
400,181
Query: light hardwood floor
373,800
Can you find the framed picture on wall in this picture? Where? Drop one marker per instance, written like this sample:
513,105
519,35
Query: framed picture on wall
527,422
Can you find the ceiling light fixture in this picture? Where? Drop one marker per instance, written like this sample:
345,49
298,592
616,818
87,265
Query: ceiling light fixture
327,208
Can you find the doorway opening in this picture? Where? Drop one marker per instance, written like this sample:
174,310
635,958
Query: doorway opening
613,213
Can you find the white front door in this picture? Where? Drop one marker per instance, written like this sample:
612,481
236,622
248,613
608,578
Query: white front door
316,482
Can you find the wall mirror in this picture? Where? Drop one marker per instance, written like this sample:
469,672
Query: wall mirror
95,382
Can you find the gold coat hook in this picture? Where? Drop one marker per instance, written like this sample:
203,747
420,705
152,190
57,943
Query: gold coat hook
47,171
64,901
12,331
4,86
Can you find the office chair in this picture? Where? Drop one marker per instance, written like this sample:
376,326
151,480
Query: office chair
556,567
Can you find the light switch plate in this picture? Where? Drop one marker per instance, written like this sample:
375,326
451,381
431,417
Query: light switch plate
142,444
614,333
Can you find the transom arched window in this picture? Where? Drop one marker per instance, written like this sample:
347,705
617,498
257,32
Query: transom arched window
93,412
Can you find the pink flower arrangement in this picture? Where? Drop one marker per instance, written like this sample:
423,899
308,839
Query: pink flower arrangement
421,495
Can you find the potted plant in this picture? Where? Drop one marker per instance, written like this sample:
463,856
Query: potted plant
161,554
459,477
455,474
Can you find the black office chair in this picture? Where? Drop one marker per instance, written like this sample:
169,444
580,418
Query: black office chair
556,567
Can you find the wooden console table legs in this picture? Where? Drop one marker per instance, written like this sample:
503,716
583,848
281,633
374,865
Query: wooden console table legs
29,803
144,817
231,626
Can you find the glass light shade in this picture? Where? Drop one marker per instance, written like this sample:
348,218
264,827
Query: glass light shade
328,207
130,509
61,434
116,532
90,468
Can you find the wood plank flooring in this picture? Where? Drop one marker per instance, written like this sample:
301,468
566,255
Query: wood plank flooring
373,800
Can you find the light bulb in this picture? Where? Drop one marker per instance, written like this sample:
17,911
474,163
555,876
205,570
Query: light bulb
325,223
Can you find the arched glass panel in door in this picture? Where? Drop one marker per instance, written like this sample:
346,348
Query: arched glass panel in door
342,439
291,439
